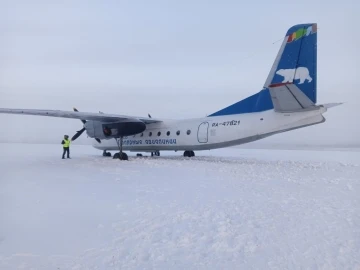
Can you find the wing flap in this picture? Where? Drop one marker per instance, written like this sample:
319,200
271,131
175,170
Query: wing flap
103,117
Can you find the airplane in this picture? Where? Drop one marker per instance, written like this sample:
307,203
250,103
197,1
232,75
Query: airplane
286,102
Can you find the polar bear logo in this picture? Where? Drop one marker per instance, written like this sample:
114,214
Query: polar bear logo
300,73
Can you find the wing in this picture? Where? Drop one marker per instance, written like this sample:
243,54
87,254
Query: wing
103,117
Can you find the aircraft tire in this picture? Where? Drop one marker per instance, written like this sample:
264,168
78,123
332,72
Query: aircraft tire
106,154
124,156
189,154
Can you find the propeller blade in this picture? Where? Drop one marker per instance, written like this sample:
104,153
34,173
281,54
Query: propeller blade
83,121
82,130
78,133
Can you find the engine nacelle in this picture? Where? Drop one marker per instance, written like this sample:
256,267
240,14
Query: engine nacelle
104,130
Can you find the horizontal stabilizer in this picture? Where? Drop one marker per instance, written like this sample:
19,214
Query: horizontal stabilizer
330,105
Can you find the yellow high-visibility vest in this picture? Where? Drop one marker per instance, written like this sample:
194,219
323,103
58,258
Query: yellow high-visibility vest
67,143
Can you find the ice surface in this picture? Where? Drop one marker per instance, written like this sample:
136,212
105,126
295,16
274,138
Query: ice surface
224,209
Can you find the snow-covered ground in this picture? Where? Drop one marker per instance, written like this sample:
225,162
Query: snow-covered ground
224,209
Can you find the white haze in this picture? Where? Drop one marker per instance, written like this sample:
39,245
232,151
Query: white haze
172,60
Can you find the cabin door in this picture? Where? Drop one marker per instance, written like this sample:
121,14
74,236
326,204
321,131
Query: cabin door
203,132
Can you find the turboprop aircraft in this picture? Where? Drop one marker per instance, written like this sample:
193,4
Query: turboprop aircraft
286,102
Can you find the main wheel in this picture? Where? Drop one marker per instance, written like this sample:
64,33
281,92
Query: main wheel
189,154
124,156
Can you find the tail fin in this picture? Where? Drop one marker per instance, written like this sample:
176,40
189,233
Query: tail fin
292,78
291,83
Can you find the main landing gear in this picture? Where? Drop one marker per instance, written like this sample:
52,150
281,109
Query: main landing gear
121,155
189,154
156,153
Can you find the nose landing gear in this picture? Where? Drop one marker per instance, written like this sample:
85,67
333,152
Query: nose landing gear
106,154
121,156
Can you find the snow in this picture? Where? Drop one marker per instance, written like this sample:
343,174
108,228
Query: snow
225,209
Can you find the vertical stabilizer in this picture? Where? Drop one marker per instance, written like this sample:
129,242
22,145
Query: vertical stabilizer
291,83
296,62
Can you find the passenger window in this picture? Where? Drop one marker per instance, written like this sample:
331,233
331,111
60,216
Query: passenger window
150,133
159,133
188,132
178,132
168,133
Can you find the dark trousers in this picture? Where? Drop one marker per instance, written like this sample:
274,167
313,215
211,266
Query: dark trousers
66,150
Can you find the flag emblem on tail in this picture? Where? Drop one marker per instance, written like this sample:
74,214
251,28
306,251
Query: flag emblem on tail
302,32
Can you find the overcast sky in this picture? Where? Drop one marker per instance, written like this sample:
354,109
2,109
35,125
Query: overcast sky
172,59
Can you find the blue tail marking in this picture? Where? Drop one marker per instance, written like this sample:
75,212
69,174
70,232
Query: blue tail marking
295,63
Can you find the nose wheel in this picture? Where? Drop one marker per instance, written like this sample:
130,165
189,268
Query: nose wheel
106,154
121,156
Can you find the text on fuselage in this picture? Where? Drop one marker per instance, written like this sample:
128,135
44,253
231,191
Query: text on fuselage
149,142
226,123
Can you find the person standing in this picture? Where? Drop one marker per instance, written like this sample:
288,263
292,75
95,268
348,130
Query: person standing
66,146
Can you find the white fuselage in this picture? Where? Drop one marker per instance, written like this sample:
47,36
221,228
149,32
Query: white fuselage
213,132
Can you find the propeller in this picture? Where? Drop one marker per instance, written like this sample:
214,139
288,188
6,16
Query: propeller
79,132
